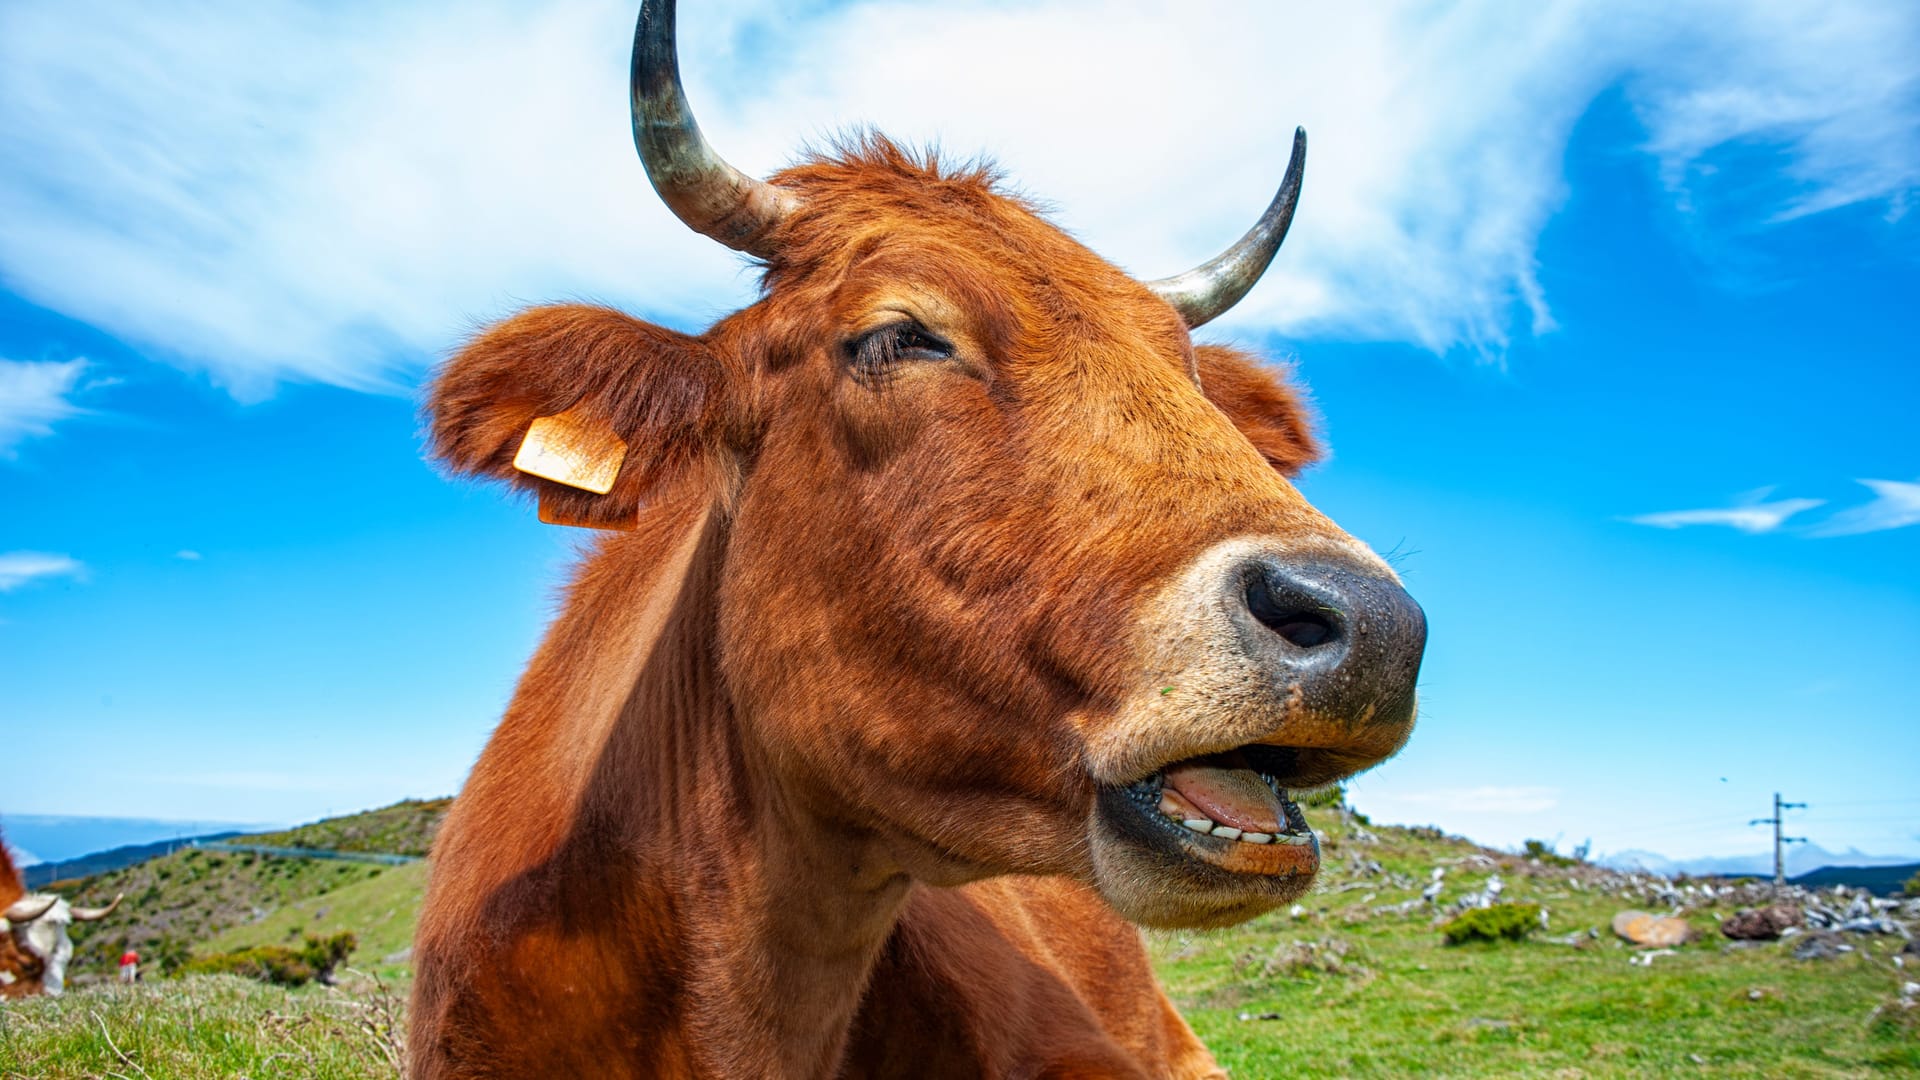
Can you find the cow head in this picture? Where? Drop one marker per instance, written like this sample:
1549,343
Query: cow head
36,927
1013,575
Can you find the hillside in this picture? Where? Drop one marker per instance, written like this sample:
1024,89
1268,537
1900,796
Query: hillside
1353,981
177,903
405,828
41,875
1884,880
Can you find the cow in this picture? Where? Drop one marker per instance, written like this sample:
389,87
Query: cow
34,947
953,615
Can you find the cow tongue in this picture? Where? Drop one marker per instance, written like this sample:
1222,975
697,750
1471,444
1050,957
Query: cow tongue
1228,791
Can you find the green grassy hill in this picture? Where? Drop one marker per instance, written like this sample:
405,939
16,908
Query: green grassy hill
380,910
176,902
1353,981
405,828
185,901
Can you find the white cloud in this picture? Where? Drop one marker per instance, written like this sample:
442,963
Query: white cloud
1896,504
34,396
19,568
188,555
1750,515
272,190
1475,800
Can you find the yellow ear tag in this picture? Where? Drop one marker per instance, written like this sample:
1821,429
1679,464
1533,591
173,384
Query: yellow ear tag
572,449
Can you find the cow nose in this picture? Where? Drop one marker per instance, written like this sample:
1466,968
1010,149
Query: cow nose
1342,640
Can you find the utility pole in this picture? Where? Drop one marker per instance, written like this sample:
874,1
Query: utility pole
1779,842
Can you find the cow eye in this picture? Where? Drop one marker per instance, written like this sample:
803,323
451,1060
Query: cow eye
882,347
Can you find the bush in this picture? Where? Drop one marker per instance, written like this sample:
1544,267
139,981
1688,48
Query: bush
1542,850
1501,922
269,963
278,964
1912,887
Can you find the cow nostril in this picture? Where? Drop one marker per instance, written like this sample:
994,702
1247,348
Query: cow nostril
1302,622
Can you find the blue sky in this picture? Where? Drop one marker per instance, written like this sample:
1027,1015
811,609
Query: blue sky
1609,310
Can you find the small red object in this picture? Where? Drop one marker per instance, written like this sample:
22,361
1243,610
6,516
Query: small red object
129,957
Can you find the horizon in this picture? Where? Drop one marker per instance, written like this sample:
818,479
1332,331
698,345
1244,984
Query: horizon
142,831
1610,331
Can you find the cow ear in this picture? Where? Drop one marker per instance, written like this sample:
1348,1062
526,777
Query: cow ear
1268,411
592,410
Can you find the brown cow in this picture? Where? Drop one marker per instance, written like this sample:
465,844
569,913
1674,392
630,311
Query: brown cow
964,613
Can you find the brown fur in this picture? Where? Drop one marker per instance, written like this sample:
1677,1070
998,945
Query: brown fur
754,807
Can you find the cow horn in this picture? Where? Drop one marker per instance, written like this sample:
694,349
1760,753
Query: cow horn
89,914
1207,291
25,910
697,184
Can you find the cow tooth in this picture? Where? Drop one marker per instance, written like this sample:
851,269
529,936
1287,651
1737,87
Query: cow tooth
1257,837
1227,831
1297,839
1199,825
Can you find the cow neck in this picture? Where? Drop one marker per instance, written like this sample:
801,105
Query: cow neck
781,914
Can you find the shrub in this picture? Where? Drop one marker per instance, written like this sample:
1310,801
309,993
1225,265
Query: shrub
167,954
268,963
1501,922
1912,887
278,964
1542,850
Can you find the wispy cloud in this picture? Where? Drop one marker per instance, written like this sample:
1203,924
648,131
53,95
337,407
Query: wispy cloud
34,395
268,191
1749,515
1481,800
20,568
188,555
1896,505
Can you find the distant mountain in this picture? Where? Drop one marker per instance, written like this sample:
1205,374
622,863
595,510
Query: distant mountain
1884,880
42,874
405,827
60,837
1801,859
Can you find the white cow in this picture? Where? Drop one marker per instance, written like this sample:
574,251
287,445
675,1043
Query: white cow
36,927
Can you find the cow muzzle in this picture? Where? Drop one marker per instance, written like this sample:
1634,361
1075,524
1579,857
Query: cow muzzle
1268,670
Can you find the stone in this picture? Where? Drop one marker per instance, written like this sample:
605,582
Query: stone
1761,924
1820,946
1873,926
1657,931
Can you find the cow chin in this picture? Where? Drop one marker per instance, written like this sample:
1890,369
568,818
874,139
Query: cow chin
1156,872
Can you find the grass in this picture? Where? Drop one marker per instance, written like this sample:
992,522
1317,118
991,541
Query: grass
177,901
405,828
1402,1003
380,909
213,1027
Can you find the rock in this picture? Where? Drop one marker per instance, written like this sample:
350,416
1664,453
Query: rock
1761,924
1873,926
1641,928
1820,946
1646,959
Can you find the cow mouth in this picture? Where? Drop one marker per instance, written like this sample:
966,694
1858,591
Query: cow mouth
1231,810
